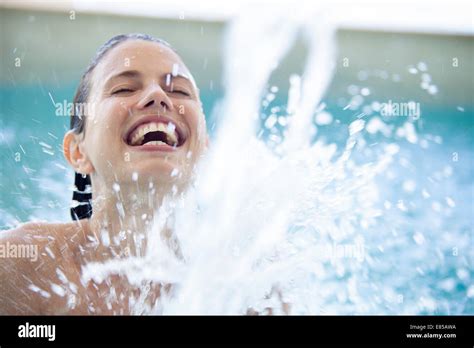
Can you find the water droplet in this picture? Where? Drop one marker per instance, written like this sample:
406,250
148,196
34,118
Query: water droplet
105,238
432,89
270,97
270,121
422,66
353,89
409,186
450,202
171,127
470,291
282,121
401,205
426,77
58,290
419,238
175,70
323,118
174,172
356,126
116,187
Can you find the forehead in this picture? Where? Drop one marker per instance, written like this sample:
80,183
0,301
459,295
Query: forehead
146,56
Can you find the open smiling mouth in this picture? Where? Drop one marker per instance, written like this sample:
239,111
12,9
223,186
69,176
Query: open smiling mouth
158,133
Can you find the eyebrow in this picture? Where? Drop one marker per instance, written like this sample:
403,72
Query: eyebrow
126,73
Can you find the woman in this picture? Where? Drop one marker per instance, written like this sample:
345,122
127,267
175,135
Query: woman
143,134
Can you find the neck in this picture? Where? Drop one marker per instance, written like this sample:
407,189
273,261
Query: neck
121,219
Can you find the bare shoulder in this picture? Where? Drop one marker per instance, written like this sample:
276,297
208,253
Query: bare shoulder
45,232
31,255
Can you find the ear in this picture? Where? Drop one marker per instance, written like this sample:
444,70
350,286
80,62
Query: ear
75,155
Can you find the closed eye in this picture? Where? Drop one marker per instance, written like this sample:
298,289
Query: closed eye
180,92
122,90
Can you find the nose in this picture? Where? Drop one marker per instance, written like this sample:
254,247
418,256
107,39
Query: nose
155,97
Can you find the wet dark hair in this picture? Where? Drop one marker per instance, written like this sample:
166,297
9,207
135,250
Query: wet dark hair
81,206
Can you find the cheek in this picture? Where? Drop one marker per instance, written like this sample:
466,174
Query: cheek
196,119
114,111
104,130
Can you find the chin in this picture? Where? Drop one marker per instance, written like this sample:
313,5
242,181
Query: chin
164,171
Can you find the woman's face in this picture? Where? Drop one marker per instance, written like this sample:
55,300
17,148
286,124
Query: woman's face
147,116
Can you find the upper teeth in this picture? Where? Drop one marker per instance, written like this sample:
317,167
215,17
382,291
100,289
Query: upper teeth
139,133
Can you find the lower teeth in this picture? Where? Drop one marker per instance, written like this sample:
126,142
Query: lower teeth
155,142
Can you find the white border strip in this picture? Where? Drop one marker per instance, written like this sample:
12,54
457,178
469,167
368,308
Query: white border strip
428,16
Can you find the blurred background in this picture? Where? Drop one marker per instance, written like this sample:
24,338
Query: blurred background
402,51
